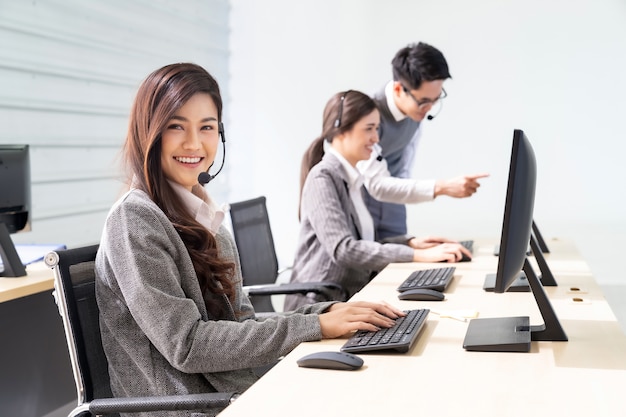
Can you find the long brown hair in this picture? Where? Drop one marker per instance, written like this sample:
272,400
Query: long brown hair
343,110
160,95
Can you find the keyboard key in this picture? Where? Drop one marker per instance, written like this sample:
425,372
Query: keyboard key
400,337
434,279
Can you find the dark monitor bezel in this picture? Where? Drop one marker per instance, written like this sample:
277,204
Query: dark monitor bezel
15,204
516,223
514,334
521,283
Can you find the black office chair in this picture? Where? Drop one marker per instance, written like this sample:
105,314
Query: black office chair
74,282
259,265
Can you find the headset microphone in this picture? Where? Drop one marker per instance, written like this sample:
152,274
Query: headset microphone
432,116
204,177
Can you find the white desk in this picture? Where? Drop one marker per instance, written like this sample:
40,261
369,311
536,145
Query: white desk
437,377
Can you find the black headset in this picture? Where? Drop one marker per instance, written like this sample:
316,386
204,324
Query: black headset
204,177
340,112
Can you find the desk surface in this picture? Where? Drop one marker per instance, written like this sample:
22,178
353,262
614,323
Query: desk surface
38,278
581,377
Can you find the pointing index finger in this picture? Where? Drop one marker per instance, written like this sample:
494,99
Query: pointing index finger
477,176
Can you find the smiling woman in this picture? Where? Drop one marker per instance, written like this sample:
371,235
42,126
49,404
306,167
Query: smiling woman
338,242
174,318
190,140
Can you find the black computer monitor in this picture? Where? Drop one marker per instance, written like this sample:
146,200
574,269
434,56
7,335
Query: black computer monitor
514,334
537,247
14,204
543,246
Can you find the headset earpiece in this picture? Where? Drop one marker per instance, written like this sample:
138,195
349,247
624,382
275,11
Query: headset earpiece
220,130
340,111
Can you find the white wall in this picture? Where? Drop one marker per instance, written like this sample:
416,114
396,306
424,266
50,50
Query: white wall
69,71
553,68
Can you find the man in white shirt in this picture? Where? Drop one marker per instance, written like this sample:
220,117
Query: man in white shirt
419,71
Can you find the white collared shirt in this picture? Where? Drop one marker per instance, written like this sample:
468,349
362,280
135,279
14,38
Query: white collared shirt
391,103
198,202
379,182
355,182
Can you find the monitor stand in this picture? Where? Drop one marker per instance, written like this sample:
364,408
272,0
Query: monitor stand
501,334
514,334
521,283
542,243
11,262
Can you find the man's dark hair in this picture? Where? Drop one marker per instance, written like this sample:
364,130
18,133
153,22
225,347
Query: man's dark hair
419,62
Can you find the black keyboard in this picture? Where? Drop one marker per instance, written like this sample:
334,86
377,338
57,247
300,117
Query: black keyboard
400,337
433,279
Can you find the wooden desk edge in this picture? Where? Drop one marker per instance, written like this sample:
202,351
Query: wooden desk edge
39,278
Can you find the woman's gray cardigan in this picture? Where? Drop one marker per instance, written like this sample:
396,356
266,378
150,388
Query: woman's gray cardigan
156,332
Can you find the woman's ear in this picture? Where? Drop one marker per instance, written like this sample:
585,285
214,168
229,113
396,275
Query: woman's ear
338,136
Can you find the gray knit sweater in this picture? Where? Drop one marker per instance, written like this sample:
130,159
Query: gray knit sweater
156,332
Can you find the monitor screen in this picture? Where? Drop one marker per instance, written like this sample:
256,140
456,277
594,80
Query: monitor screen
519,202
514,334
14,204
518,212
537,248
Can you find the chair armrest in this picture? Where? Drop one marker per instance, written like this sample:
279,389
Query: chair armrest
329,290
285,269
166,403
400,240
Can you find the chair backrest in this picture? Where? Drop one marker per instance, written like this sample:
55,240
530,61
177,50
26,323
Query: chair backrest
76,297
253,236
74,282
255,243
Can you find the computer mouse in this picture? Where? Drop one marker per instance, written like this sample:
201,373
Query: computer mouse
331,360
421,294
465,258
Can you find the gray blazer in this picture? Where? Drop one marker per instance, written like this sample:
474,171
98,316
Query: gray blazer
156,332
330,246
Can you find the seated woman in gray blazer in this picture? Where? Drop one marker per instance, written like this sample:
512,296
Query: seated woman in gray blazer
337,241
174,319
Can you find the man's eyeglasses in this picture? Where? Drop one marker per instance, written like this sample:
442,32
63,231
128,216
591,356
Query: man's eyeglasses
421,104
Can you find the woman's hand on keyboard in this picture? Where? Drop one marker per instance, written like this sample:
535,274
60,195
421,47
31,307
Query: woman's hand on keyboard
428,242
343,318
448,252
